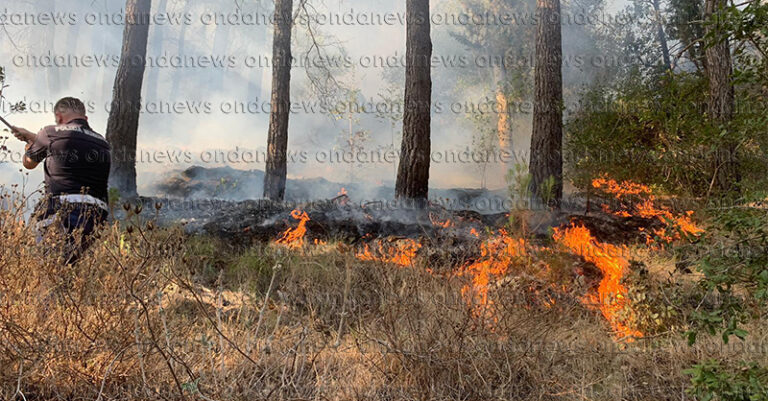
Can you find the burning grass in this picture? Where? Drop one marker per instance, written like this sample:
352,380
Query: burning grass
152,313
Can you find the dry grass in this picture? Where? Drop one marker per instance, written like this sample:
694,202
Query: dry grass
153,314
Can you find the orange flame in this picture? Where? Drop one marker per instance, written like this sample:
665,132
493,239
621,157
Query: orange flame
401,253
343,197
675,227
294,237
498,253
611,294
502,126
442,224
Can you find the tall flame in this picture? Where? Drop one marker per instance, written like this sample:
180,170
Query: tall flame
294,237
498,253
611,294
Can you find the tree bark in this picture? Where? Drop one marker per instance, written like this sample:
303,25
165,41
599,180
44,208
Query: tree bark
413,170
277,142
721,100
547,138
123,122
661,36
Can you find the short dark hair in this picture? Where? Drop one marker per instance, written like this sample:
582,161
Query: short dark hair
69,104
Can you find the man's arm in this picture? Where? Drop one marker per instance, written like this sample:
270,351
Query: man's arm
28,163
23,134
29,137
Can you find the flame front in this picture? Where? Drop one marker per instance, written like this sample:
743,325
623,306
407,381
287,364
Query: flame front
294,237
675,227
498,253
611,295
401,253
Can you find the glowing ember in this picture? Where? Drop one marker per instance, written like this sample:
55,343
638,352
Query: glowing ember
611,295
294,237
401,253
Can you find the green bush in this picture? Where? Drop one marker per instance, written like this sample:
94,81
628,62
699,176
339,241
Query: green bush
655,131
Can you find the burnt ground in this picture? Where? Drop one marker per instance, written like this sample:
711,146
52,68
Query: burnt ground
263,220
191,201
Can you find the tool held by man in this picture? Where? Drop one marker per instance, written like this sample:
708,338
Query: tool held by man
20,133
7,124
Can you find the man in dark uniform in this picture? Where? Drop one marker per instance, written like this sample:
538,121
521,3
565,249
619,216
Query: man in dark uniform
76,164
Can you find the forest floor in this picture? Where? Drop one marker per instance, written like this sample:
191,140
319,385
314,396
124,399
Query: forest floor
155,313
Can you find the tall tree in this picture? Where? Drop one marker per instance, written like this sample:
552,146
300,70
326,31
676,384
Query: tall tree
661,36
721,95
546,164
277,142
413,170
123,122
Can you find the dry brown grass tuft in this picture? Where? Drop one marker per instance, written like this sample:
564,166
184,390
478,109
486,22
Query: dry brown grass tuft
153,314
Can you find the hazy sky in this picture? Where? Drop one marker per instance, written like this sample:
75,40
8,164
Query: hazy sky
94,29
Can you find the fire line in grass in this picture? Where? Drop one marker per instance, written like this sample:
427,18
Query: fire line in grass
611,296
498,254
293,238
639,200
500,251
401,252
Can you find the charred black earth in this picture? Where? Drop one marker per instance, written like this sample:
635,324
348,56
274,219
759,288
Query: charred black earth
215,201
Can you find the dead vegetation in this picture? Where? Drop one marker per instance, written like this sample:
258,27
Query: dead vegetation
154,314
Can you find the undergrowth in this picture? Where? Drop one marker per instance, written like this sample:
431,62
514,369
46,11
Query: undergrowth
152,313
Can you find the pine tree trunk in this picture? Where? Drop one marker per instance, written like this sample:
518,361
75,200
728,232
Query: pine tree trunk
721,101
661,36
413,170
123,123
277,143
547,139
